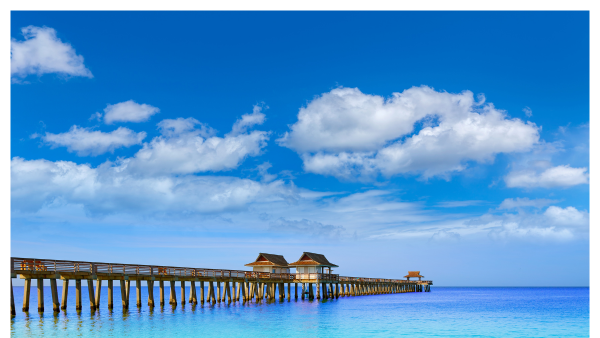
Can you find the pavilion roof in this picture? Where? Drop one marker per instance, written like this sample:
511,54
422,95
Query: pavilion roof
414,274
269,259
312,259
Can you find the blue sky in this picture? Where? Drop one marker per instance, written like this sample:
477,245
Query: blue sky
455,143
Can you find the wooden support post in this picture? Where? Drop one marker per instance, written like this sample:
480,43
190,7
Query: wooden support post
193,296
295,290
123,294
13,312
212,293
110,294
98,290
127,289
227,291
54,290
40,292
90,284
289,294
237,291
202,292
183,293
26,293
150,284
244,293
65,294
218,292
173,294
138,292
78,305
161,293
318,289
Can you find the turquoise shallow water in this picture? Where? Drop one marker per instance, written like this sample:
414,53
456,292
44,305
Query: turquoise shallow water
443,312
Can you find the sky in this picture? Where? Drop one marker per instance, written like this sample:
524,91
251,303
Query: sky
454,143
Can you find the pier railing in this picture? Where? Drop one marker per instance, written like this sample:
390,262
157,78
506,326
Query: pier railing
41,266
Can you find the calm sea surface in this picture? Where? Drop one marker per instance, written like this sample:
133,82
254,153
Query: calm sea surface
443,312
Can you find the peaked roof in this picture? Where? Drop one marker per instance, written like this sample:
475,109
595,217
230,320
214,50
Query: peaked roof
414,274
309,258
269,259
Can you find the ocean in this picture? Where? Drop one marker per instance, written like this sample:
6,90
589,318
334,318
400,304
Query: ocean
443,312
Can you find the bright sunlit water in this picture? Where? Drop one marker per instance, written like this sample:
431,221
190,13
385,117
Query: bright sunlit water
443,312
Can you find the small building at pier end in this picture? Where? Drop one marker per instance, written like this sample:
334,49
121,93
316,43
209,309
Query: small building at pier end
313,263
270,263
415,274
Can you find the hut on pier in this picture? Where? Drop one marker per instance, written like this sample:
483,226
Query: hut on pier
416,274
313,263
270,263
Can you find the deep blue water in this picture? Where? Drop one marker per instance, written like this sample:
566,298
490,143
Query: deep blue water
443,312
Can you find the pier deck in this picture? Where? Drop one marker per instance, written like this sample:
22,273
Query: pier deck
253,285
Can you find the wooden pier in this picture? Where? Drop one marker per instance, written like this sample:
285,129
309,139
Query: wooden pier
223,285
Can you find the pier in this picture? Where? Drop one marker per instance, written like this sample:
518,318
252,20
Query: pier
223,285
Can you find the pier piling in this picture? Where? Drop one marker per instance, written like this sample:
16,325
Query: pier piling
26,293
150,284
78,305
110,294
65,294
90,284
54,290
98,291
40,293
161,294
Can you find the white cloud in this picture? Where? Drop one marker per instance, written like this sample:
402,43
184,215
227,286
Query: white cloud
42,52
568,216
128,111
559,176
528,112
248,120
348,134
445,235
184,148
84,141
555,223
518,202
307,228
107,189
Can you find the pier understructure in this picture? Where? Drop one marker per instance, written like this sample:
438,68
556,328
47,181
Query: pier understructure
223,285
